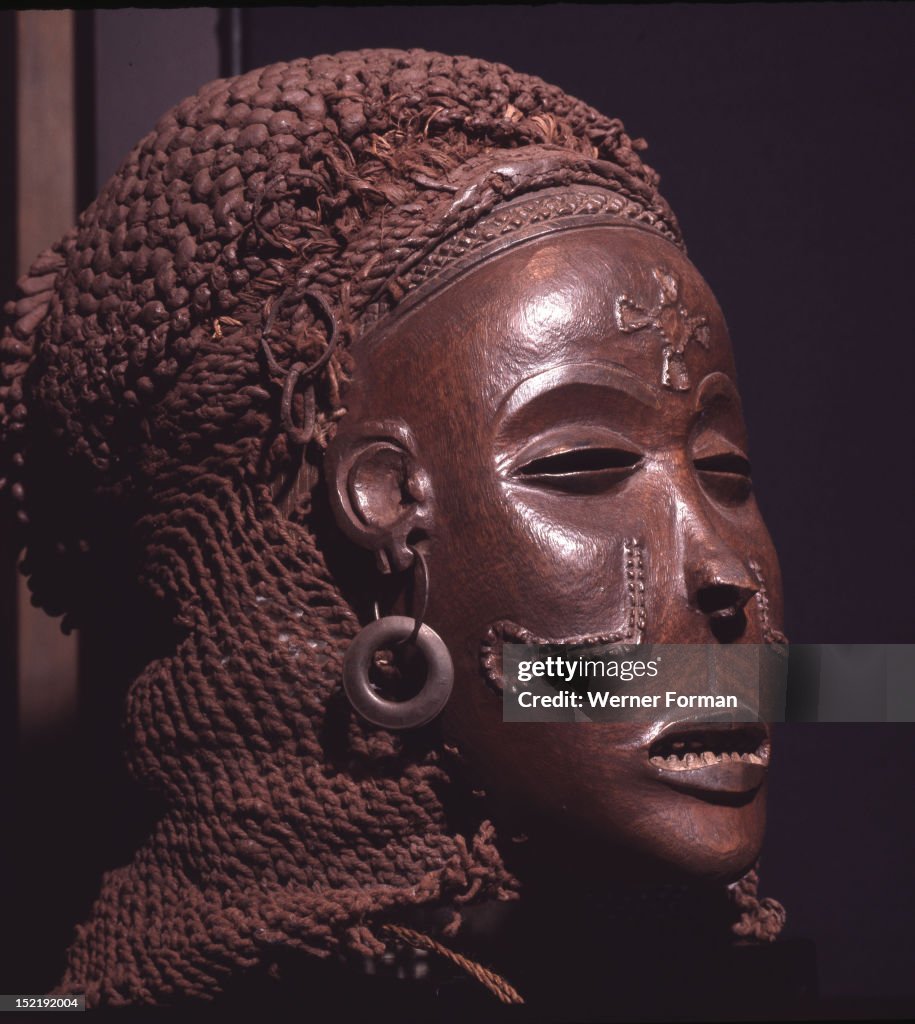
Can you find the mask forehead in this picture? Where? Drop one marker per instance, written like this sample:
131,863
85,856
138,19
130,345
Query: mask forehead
597,294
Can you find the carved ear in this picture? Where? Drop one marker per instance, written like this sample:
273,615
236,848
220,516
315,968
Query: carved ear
380,494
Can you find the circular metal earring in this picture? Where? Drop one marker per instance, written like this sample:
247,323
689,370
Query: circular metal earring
396,630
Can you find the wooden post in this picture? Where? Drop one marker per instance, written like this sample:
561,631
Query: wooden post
46,193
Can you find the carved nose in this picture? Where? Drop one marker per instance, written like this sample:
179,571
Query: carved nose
718,581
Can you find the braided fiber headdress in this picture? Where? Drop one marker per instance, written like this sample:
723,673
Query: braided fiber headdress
169,364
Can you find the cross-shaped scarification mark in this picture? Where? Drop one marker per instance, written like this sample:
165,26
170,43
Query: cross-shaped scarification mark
672,320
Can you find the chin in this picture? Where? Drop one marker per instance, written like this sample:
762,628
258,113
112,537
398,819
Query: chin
653,835
695,839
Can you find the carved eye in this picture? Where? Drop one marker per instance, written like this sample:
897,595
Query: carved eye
726,477
580,470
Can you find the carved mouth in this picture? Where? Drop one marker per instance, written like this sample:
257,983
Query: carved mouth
726,759
685,750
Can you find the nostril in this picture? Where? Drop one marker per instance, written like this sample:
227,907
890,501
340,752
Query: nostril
722,600
723,603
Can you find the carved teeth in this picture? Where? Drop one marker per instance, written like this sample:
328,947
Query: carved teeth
683,760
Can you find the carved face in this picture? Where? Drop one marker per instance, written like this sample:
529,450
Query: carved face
557,418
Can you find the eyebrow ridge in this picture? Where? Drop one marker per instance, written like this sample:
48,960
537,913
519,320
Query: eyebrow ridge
595,374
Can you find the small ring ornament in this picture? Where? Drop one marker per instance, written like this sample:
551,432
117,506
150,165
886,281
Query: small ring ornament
392,714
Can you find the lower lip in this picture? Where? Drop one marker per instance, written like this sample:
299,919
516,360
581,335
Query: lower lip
721,777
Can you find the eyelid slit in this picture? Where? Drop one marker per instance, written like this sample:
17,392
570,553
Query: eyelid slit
725,462
591,459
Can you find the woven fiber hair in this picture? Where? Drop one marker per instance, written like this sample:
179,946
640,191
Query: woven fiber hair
161,379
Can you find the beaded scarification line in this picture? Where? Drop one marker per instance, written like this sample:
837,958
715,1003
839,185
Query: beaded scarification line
770,634
507,632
